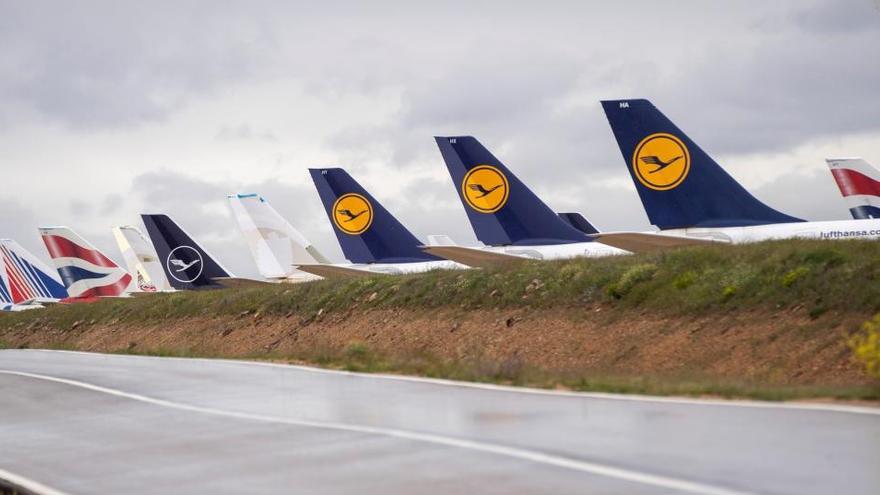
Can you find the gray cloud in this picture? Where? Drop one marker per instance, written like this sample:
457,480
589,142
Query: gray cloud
105,64
244,132
244,97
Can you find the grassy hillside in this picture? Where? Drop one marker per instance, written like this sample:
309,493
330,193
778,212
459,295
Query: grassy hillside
820,291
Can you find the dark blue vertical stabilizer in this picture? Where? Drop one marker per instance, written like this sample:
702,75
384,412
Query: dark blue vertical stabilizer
679,184
187,265
366,231
501,209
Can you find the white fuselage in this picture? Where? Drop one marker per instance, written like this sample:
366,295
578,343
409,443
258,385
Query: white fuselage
831,230
404,268
558,251
20,307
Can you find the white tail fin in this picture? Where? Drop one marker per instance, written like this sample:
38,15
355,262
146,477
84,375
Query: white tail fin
275,245
859,184
85,271
141,259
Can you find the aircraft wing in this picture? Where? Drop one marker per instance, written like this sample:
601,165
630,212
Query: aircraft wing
474,257
327,270
644,242
239,283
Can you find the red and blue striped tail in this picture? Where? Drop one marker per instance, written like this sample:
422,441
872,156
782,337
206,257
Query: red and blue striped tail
25,278
859,184
85,271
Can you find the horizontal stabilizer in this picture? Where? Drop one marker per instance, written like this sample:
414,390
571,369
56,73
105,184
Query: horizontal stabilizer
475,257
335,271
20,307
440,240
646,242
240,283
578,221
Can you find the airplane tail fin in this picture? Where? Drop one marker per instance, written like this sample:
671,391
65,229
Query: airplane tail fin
5,296
26,277
502,210
366,231
679,184
85,271
141,259
859,184
186,264
578,221
274,244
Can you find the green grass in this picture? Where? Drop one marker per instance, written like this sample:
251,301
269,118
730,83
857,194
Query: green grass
818,275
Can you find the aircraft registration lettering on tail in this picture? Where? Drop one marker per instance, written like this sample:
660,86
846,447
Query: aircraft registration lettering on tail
485,189
352,214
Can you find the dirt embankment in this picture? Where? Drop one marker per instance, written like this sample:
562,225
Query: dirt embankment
777,348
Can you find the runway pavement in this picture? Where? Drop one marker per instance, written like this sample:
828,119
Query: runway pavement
92,423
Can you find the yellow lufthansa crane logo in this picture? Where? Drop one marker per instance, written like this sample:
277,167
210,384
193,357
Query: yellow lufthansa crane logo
661,162
485,189
352,214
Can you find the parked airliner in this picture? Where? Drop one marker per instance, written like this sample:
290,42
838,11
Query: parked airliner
691,197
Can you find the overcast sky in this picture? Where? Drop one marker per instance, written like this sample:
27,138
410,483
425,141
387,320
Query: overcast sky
111,109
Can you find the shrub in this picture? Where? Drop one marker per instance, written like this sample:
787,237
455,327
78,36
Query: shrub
685,280
728,292
794,275
866,346
630,278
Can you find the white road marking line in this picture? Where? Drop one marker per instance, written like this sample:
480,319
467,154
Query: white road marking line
513,452
811,406
28,484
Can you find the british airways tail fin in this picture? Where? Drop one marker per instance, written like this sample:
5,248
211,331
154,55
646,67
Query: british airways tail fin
679,184
502,210
859,184
25,277
366,231
85,271
274,244
186,264
141,259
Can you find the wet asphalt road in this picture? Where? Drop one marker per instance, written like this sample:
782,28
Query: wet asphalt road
92,423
